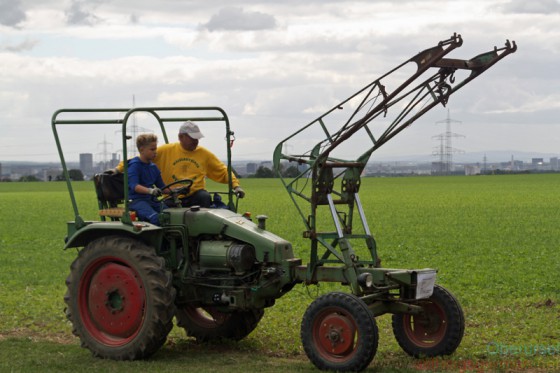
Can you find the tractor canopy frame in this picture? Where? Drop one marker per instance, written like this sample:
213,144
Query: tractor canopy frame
122,117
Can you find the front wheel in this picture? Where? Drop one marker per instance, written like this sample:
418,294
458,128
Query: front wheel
437,331
120,299
338,332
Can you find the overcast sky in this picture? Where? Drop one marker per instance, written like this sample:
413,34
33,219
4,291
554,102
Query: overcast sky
272,65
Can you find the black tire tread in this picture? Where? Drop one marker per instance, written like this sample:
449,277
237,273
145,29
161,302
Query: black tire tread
238,325
454,333
366,324
158,285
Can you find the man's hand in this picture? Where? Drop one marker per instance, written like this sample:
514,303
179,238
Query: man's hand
156,192
112,171
239,192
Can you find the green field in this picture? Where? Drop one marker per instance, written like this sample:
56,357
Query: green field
494,239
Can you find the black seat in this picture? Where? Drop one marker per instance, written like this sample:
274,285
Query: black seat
110,194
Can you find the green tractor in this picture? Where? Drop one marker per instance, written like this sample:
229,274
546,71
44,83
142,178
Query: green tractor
216,271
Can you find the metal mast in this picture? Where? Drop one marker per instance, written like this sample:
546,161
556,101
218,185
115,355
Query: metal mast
446,150
104,153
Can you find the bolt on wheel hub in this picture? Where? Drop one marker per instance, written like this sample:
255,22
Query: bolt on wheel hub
337,334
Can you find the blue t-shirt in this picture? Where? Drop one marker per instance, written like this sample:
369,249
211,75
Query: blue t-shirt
145,174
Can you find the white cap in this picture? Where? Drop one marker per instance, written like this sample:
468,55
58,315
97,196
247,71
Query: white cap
191,129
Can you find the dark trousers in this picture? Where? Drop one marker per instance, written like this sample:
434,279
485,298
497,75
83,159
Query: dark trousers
199,198
147,210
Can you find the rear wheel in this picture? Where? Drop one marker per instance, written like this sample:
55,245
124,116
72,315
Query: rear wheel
338,332
120,299
436,332
208,323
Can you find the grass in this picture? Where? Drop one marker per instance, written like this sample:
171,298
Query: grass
494,240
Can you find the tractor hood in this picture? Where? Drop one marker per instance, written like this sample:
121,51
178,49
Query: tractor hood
223,222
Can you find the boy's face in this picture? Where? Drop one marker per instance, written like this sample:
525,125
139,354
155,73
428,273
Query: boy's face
149,152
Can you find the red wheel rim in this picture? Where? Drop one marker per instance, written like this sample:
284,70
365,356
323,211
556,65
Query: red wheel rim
428,329
207,317
335,334
112,301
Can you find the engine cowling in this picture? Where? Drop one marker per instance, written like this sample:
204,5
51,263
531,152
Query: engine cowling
226,256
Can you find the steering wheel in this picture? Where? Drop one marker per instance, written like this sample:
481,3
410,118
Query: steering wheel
176,192
181,190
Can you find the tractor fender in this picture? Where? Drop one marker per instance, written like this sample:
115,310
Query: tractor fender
145,232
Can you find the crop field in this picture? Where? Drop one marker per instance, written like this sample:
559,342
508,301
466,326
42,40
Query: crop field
495,241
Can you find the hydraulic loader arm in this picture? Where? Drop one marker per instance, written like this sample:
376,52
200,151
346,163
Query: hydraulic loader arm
377,113
327,176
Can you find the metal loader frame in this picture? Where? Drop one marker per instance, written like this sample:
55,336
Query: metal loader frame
334,183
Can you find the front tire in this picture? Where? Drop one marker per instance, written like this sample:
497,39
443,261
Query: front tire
120,299
339,332
437,332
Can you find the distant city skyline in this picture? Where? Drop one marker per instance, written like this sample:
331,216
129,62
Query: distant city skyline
13,170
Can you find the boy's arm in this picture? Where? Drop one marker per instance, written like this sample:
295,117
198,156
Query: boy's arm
160,184
133,178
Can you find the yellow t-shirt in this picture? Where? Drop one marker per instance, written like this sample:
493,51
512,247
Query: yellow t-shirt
176,163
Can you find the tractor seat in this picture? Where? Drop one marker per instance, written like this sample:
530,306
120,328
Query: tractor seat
110,194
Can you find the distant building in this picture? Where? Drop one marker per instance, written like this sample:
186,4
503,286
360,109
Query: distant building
439,168
251,168
115,159
86,164
537,163
554,166
50,174
472,170
517,165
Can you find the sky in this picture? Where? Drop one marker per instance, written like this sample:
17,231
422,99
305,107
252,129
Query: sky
273,66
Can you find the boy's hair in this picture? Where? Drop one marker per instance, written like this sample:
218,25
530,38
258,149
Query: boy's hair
145,139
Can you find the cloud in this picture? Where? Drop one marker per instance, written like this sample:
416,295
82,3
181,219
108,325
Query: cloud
532,7
134,19
234,18
308,57
11,13
182,98
25,45
77,14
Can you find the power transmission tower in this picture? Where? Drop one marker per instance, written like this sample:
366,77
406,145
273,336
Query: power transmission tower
104,153
445,150
134,131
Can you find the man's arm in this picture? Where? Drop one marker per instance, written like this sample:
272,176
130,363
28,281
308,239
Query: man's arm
218,172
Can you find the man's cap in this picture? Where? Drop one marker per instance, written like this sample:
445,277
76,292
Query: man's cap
191,129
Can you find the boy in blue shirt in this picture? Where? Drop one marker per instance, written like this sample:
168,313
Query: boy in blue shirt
144,180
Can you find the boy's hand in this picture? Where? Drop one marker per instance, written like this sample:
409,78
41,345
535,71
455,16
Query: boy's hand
156,192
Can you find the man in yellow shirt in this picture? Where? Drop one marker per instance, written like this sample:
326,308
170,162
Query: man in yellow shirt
186,160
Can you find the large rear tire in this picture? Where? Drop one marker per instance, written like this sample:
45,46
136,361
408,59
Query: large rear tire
120,299
437,332
209,324
339,332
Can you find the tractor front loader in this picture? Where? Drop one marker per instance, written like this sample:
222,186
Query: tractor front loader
338,330
215,271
